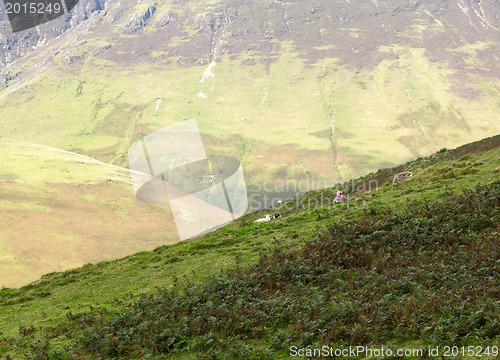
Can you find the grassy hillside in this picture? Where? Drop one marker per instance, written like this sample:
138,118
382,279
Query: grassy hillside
60,210
407,265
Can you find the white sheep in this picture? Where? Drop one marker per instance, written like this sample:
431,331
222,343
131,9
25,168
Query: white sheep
267,218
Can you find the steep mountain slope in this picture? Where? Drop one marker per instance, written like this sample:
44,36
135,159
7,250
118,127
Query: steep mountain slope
61,210
304,89
408,265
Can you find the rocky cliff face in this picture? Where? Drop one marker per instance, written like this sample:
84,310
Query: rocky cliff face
318,28
13,46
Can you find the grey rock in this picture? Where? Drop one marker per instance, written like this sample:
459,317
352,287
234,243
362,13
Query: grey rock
138,21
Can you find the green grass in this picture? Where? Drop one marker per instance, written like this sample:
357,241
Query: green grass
62,301
395,277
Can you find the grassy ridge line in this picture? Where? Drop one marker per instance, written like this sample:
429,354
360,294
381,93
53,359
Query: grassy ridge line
477,147
44,304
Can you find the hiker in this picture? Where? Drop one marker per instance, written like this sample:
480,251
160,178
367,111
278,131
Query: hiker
340,198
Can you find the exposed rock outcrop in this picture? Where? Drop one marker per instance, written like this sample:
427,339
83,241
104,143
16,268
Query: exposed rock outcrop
138,21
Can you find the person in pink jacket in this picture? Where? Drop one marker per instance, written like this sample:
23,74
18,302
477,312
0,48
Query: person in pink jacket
340,198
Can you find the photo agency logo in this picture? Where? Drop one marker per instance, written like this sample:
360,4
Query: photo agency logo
170,167
26,14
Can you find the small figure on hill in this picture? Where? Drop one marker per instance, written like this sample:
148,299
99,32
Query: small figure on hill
340,198
401,176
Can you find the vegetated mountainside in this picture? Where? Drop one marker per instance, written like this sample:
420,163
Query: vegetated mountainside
329,89
428,274
316,92
411,264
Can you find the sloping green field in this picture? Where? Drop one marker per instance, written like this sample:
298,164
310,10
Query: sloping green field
411,264
313,93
